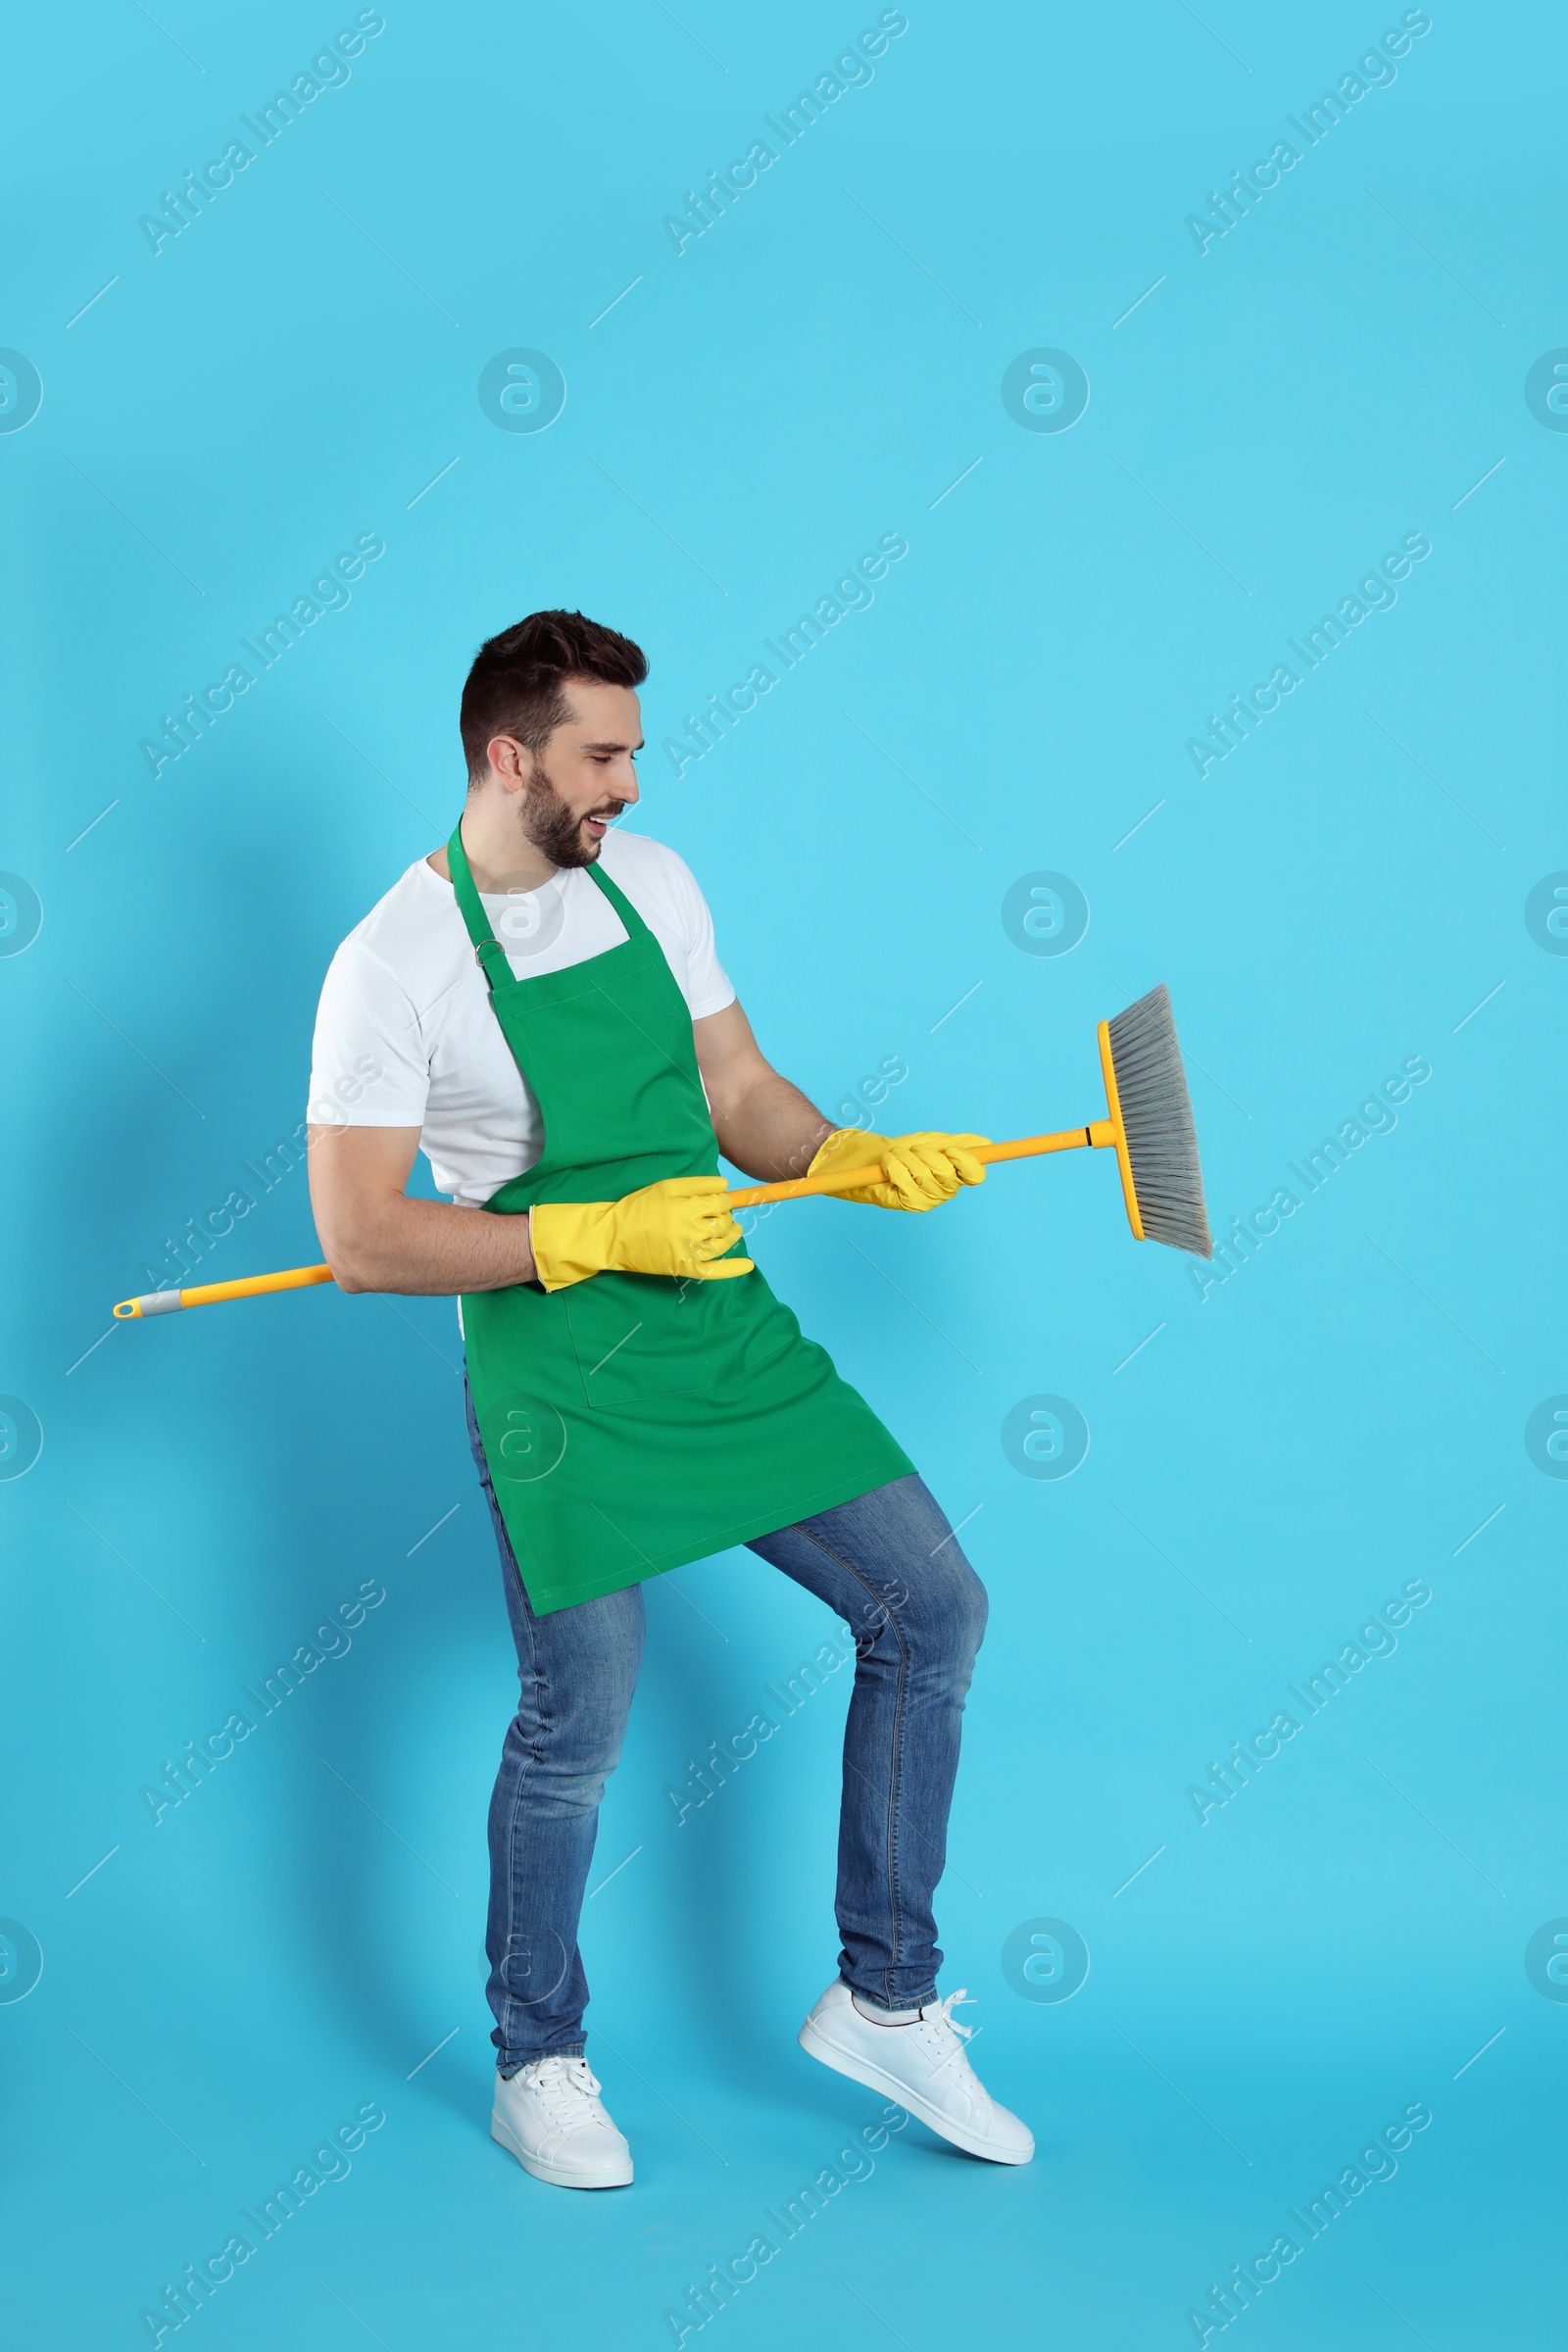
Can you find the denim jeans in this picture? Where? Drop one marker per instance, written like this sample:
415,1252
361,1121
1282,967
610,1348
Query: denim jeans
889,1565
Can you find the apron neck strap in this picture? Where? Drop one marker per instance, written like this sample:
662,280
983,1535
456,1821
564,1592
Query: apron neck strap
487,948
492,956
636,928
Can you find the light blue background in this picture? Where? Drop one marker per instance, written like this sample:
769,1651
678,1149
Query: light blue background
1338,1418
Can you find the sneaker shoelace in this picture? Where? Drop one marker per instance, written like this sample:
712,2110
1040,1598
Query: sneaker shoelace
940,2032
567,2086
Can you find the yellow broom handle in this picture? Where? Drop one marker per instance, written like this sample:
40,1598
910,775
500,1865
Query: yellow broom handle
1100,1132
847,1180
208,1293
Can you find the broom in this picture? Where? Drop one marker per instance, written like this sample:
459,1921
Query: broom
1148,1126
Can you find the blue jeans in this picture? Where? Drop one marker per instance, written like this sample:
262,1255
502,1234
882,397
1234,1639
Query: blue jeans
888,1565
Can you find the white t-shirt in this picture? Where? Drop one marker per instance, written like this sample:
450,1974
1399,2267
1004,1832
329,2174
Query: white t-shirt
405,1036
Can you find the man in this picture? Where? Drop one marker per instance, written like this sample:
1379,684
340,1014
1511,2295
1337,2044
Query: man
539,1007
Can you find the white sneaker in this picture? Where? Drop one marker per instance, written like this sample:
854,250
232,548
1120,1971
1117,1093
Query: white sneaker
550,2116
917,2057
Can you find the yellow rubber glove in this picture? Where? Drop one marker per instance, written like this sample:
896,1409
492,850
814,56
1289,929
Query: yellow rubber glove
680,1228
922,1170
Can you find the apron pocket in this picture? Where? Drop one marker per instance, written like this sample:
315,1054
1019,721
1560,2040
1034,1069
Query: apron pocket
643,1334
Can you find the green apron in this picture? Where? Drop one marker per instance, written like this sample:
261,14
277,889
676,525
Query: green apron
633,1422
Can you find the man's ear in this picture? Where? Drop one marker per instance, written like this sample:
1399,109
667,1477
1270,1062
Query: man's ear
510,761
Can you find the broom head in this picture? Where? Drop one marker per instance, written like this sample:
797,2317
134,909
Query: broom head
1152,1109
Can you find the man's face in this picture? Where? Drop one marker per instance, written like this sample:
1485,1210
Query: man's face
583,778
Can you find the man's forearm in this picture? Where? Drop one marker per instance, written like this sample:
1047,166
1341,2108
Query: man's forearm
770,1130
431,1249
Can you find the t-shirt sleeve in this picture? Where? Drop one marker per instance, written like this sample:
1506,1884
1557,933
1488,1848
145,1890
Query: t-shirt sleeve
709,986
370,1066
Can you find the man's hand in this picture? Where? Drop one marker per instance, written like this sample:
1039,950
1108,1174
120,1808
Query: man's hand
922,1170
377,1238
681,1227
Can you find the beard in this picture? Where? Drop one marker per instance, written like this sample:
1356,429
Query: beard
555,829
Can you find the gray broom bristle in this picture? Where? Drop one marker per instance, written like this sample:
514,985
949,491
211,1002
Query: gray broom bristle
1157,1113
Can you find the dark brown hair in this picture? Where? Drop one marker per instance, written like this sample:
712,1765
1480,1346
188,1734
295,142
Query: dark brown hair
517,683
